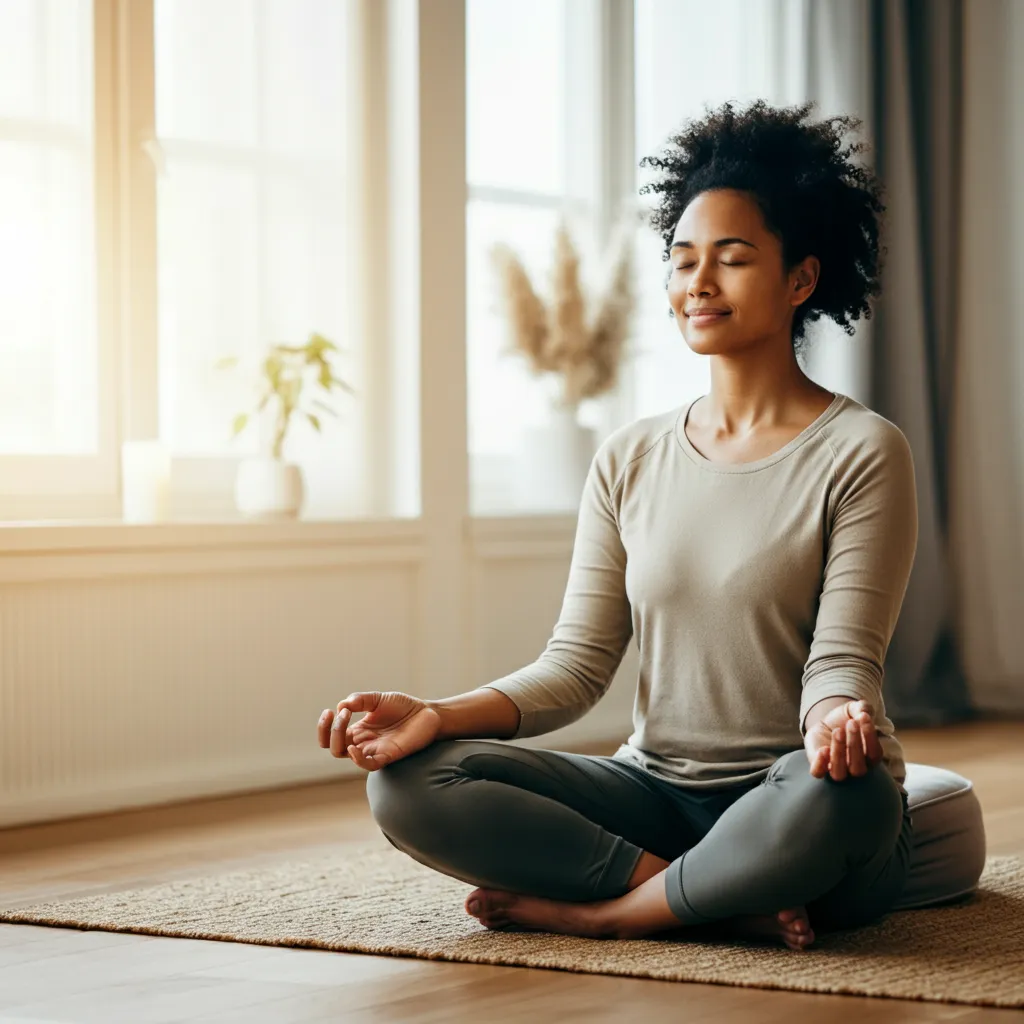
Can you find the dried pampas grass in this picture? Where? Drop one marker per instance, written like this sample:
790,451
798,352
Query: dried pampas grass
558,337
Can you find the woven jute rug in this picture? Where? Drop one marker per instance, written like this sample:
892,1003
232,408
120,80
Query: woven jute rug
369,898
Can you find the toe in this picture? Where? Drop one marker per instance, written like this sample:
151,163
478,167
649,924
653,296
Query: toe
489,901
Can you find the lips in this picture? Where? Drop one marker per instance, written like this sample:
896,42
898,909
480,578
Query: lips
700,317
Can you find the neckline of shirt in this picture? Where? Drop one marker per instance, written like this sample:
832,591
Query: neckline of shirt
751,467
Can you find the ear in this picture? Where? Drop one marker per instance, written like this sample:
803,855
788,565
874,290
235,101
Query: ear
803,279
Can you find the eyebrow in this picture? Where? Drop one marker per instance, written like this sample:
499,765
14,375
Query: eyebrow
721,243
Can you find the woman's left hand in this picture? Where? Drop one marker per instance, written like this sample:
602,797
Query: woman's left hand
844,742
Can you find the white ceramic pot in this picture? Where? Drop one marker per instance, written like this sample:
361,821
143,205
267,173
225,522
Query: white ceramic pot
554,459
269,489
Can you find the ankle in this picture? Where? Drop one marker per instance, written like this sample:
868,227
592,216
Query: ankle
602,919
646,867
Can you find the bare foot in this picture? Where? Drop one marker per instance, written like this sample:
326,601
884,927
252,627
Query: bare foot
792,926
509,911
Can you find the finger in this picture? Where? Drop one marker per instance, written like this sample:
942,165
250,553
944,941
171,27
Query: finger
373,750
819,763
837,755
855,748
323,728
364,701
872,743
339,739
358,733
363,760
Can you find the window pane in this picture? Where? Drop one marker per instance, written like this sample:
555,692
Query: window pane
252,229
206,73
515,94
503,394
48,353
208,306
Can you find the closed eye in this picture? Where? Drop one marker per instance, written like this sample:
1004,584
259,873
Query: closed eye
724,263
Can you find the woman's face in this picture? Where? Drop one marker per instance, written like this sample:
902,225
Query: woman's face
728,286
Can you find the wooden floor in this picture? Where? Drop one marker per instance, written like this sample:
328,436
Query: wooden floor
51,974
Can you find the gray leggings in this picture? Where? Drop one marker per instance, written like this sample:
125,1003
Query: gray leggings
573,826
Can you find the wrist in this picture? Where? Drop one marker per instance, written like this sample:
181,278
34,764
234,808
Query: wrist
438,711
823,708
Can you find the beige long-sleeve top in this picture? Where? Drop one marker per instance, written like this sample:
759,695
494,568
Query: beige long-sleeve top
754,590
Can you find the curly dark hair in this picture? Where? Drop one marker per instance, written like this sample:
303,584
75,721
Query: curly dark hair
811,195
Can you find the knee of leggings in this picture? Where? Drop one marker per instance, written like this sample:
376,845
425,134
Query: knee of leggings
866,810
397,793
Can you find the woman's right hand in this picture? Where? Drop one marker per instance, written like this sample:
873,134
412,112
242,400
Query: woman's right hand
394,726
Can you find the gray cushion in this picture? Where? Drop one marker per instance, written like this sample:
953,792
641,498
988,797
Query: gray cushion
948,854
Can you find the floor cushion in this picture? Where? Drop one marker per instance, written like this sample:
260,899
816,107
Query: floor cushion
949,837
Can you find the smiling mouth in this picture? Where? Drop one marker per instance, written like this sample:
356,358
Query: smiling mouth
698,319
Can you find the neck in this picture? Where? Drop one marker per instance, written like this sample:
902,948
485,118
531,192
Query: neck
761,386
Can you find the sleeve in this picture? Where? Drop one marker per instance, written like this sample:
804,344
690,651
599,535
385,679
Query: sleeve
871,547
595,624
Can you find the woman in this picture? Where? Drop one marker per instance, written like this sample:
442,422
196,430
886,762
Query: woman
758,542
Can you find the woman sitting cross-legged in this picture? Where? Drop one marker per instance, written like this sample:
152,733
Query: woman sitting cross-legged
757,542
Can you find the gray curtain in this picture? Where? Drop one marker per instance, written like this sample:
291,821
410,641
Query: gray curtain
917,63
988,465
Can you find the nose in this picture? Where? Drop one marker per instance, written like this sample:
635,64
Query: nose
701,282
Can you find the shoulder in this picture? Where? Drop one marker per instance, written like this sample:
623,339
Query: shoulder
632,441
873,470
864,441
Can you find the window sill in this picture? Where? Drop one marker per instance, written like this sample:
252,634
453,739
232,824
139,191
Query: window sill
90,549
103,535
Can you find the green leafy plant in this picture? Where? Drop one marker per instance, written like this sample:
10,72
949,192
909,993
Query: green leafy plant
285,371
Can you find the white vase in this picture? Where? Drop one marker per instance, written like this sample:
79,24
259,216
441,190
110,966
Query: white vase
554,458
267,488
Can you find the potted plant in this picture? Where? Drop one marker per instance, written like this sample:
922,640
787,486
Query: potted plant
266,486
568,340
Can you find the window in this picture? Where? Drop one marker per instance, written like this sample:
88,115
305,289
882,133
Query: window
47,218
253,214
175,187
534,156
250,118
51,374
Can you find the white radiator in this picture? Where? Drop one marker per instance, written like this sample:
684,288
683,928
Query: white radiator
137,677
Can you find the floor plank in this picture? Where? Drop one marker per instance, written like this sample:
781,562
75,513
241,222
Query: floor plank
63,975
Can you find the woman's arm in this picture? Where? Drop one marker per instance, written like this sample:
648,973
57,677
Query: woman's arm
871,547
479,714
